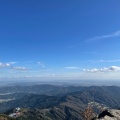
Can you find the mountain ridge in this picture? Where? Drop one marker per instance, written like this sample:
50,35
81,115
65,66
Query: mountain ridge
69,106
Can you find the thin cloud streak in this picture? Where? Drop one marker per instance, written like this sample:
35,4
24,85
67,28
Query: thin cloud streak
20,68
72,68
115,34
88,52
109,60
100,61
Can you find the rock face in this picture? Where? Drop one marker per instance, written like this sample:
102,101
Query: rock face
110,114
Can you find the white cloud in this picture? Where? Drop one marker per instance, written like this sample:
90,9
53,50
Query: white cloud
12,63
109,61
115,34
41,64
109,69
3,65
11,66
20,68
28,61
100,61
8,64
72,68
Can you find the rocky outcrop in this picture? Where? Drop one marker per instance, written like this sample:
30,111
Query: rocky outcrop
110,114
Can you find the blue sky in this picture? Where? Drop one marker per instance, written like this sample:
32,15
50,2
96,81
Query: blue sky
60,39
